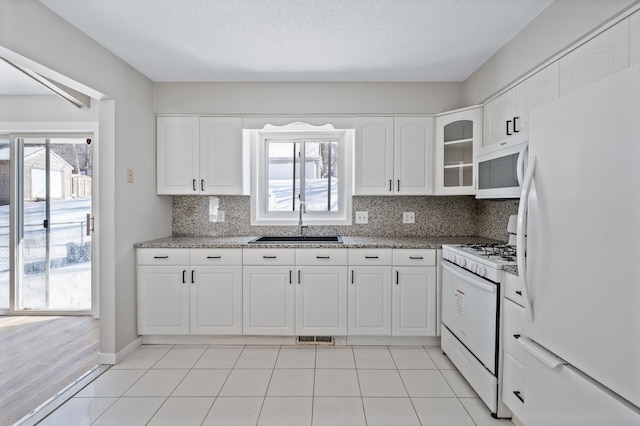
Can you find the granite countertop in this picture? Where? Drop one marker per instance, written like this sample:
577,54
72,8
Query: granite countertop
512,269
348,242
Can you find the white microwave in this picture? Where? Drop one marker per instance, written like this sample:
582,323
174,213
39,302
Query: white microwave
500,172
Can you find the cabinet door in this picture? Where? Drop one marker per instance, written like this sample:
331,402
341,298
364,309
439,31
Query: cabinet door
414,301
177,155
496,114
413,156
539,89
370,301
163,300
321,301
268,300
221,156
458,139
599,58
374,156
216,300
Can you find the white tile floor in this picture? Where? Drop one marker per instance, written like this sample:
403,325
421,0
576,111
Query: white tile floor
283,385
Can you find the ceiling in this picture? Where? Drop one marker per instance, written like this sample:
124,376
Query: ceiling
301,40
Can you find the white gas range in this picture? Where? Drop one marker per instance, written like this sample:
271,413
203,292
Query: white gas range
471,300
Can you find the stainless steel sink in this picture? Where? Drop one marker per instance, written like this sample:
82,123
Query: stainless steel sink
297,239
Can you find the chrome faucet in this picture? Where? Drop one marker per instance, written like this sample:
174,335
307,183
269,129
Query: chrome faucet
302,207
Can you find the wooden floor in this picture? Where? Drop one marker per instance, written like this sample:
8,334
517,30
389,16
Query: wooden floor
39,356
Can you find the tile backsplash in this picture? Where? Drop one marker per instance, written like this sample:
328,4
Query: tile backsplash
434,216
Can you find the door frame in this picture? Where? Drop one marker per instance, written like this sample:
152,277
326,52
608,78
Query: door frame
46,130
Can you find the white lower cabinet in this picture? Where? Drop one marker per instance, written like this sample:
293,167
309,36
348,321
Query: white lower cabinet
513,320
189,291
321,301
268,300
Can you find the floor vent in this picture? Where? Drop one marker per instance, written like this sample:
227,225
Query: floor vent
315,340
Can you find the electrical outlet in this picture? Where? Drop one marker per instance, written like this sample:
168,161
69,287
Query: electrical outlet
220,215
130,175
362,217
408,217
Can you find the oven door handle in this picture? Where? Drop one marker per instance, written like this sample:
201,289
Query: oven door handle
470,278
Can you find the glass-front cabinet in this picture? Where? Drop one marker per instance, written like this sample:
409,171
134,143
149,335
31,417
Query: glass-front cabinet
458,138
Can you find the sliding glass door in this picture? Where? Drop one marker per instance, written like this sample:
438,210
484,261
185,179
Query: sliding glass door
50,220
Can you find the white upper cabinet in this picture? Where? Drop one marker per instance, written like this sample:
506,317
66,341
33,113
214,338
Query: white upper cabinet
634,39
413,156
394,156
598,58
200,155
178,145
374,156
506,118
221,155
458,138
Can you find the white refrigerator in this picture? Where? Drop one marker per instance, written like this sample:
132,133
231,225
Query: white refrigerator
580,207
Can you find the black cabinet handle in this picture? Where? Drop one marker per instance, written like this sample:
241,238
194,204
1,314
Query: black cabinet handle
517,336
214,257
518,395
184,276
416,257
519,293
202,185
371,257
508,131
290,281
397,277
298,276
398,185
352,276
268,257
160,257
323,257
515,125
390,183
193,277
194,185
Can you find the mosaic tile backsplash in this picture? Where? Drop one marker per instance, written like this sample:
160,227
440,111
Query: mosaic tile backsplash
435,216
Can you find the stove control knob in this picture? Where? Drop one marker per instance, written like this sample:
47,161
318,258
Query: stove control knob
462,262
452,258
474,267
482,271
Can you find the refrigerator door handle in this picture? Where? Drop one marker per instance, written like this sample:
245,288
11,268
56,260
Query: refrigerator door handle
540,353
520,164
520,237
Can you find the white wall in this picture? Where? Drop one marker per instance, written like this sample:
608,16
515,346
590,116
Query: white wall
557,27
307,98
127,212
42,109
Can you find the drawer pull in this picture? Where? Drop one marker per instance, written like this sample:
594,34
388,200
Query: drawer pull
416,257
160,257
371,257
268,257
214,257
519,292
323,257
518,395
516,336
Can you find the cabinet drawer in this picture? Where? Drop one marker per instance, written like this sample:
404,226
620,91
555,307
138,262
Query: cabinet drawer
363,257
321,257
514,323
213,257
410,257
513,288
513,385
269,256
161,256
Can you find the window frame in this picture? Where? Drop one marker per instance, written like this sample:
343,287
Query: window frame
261,216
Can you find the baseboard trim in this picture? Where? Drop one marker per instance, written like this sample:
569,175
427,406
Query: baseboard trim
288,340
114,358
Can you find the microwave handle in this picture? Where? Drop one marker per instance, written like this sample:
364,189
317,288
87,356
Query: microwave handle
520,165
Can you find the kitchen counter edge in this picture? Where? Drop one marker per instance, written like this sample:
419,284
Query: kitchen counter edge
348,242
